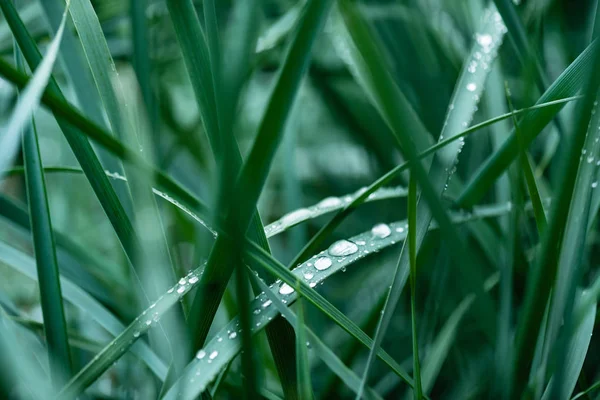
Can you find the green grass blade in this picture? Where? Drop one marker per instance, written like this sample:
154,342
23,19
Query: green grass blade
303,363
534,193
86,303
542,276
412,249
29,101
567,84
253,175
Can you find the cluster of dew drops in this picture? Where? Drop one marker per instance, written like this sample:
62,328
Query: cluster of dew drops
315,271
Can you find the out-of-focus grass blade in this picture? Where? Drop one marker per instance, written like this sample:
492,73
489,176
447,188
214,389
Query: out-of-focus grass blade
79,144
303,363
586,392
567,84
542,276
460,113
534,194
86,303
577,349
29,101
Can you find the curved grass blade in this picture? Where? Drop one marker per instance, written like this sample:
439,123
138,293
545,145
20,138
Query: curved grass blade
460,114
586,392
29,100
567,84
204,369
303,363
80,299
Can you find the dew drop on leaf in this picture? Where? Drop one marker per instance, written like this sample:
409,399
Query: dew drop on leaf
381,231
322,263
200,354
286,289
342,248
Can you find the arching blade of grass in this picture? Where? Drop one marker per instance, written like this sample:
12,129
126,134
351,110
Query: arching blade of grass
320,349
28,101
567,84
534,194
90,307
79,144
460,113
577,349
586,392
307,271
542,276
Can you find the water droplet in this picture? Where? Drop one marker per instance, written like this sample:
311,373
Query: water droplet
136,334
308,275
312,284
342,248
181,289
286,289
256,311
266,304
322,263
193,279
400,229
213,355
171,290
471,87
594,185
220,339
484,40
381,231
200,354
232,335
149,322
182,281
329,202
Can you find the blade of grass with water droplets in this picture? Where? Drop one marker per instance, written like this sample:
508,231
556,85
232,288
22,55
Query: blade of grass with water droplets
29,101
460,113
567,84
86,303
303,363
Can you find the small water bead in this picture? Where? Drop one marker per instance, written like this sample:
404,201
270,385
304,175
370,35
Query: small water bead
213,355
400,229
472,67
342,248
266,304
220,339
308,275
381,231
256,311
136,334
171,290
232,335
312,284
182,281
181,289
329,202
590,159
323,263
193,279
360,242
149,322
484,40
594,185
286,289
